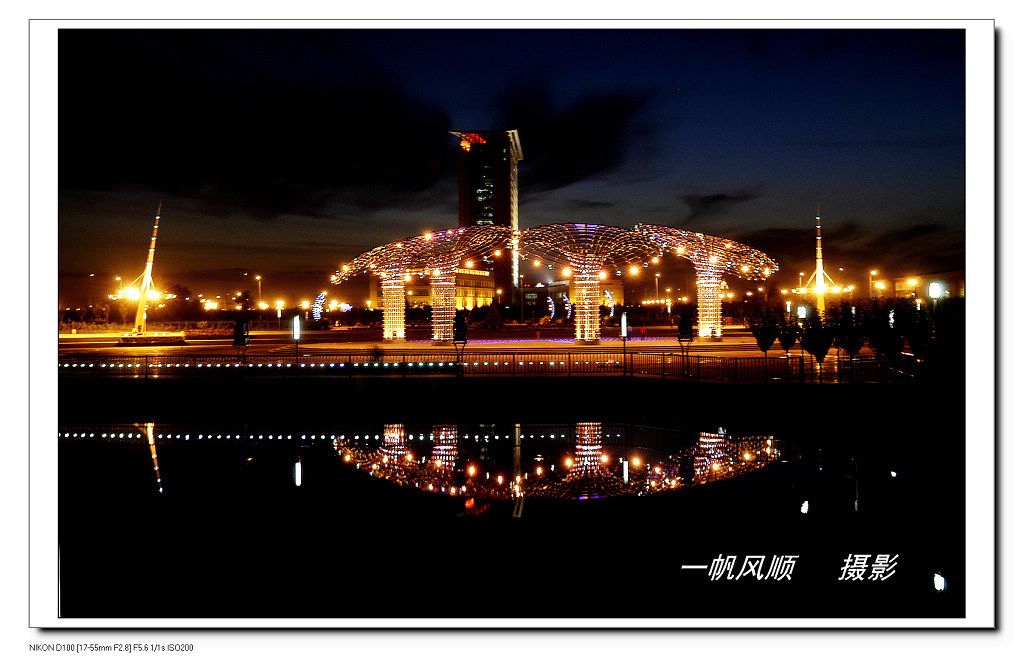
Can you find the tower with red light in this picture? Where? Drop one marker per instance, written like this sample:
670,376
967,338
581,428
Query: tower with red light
489,192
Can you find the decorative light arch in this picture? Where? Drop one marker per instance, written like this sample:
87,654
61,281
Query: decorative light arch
587,249
435,254
712,257
441,257
392,262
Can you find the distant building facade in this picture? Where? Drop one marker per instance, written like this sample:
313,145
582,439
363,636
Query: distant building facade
474,288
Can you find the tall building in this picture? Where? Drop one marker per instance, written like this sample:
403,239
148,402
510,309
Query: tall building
489,191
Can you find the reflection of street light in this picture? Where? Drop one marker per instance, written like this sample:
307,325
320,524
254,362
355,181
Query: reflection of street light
934,291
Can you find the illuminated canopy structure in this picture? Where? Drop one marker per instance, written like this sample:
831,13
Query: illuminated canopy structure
434,254
441,258
712,257
391,262
587,249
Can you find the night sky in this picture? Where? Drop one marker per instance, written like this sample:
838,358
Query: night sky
286,152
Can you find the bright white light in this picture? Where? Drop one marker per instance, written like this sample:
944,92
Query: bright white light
296,329
935,290
939,581
801,311
298,473
804,507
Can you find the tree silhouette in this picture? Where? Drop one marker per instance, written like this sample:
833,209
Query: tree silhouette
493,319
763,325
816,338
881,332
788,332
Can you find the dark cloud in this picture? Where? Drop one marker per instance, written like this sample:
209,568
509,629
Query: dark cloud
208,119
909,235
590,204
703,206
565,146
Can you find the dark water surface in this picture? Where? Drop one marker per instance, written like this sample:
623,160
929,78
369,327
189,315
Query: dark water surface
392,519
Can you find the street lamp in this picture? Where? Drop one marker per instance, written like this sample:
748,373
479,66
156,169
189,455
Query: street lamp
259,292
871,279
656,290
934,291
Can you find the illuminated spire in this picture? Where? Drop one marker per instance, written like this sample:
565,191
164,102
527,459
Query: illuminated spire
147,278
821,280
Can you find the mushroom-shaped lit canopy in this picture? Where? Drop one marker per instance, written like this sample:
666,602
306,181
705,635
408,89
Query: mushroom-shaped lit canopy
392,263
440,259
582,245
433,250
725,256
447,247
586,248
712,257
388,258
437,254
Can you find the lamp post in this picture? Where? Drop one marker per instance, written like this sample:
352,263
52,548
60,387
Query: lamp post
657,291
871,283
625,333
522,298
934,291
259,292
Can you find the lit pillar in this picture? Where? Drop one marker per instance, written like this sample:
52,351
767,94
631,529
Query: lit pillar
588,449
442,307
392,287
709,302
586,297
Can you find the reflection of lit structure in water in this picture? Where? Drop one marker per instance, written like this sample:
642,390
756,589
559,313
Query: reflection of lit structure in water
588,450
587,476
394,450
586,471
718,456
445,450
152,452
709,456
580,461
